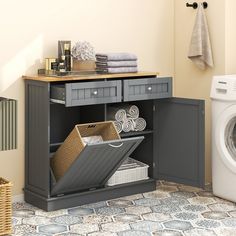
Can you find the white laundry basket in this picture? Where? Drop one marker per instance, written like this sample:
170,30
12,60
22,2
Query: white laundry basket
130,171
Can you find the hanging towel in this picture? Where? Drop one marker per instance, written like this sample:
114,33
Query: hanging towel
200,47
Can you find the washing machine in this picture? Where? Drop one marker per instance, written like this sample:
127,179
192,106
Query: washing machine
223,95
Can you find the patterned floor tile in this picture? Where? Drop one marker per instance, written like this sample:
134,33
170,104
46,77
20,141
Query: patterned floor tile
16,221
232,213
127,218
229,222
115,227
67,219
201,200
23,205
84,228
138,210
215,215
147,202
96,219
195,208
36,220
148,226
171,210
208,223
102,234
228,206
178,225
186,216
24,229
51,213
134,233
175,201
156,195
80,211
109,211
205,194
69,234
224,232
120,203
166,188
95,205
23,213
132,197
156,217
167,232
52,229
183,194
165,208
189,189
199,232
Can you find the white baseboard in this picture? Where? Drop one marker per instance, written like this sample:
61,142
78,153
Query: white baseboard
18,198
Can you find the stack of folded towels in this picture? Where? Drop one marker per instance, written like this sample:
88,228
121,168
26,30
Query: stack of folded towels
116,63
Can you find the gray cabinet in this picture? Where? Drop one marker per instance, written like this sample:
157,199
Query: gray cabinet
173,144
149,88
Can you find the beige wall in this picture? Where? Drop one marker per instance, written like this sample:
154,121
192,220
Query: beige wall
191,82
230,43
30,30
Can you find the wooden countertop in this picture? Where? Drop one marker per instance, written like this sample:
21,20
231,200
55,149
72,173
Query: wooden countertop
89,77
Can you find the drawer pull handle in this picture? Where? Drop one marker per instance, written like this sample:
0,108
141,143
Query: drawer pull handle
95,92
114,146
149,88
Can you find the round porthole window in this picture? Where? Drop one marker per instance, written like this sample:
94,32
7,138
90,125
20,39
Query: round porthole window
230,137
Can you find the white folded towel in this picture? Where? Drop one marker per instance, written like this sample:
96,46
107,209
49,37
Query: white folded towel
200,47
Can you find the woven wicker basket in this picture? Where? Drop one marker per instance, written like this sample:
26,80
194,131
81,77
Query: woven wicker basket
73,145
5,207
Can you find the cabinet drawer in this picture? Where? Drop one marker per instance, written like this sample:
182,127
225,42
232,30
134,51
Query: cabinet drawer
149,88
86,93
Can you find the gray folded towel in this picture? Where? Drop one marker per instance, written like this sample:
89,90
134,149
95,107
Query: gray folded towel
116,64
200,47
116,57
114,70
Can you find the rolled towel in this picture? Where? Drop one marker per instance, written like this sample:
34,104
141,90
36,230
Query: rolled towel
128,125
115,113
116,70
140,124
118,125
132,111
116,57
108,64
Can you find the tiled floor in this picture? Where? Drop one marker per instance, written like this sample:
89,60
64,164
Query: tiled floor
171,210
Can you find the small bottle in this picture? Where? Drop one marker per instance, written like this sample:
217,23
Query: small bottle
67,57
61,66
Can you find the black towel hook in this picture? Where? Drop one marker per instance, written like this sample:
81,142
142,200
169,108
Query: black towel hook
195,5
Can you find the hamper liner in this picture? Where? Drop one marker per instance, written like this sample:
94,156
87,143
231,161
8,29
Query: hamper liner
5,207
79,166
130,171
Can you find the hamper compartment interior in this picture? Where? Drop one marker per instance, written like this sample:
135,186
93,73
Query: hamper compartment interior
63,120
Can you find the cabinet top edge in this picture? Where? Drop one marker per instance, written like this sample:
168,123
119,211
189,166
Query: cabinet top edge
89,77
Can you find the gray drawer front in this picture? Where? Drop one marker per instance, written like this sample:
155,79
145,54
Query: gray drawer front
149,88
87,93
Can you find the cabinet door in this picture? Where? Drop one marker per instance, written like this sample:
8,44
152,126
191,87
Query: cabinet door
179,141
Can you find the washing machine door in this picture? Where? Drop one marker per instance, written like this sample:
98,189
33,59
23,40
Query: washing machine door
225,137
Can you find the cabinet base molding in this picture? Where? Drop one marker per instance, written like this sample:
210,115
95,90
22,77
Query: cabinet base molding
78,199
